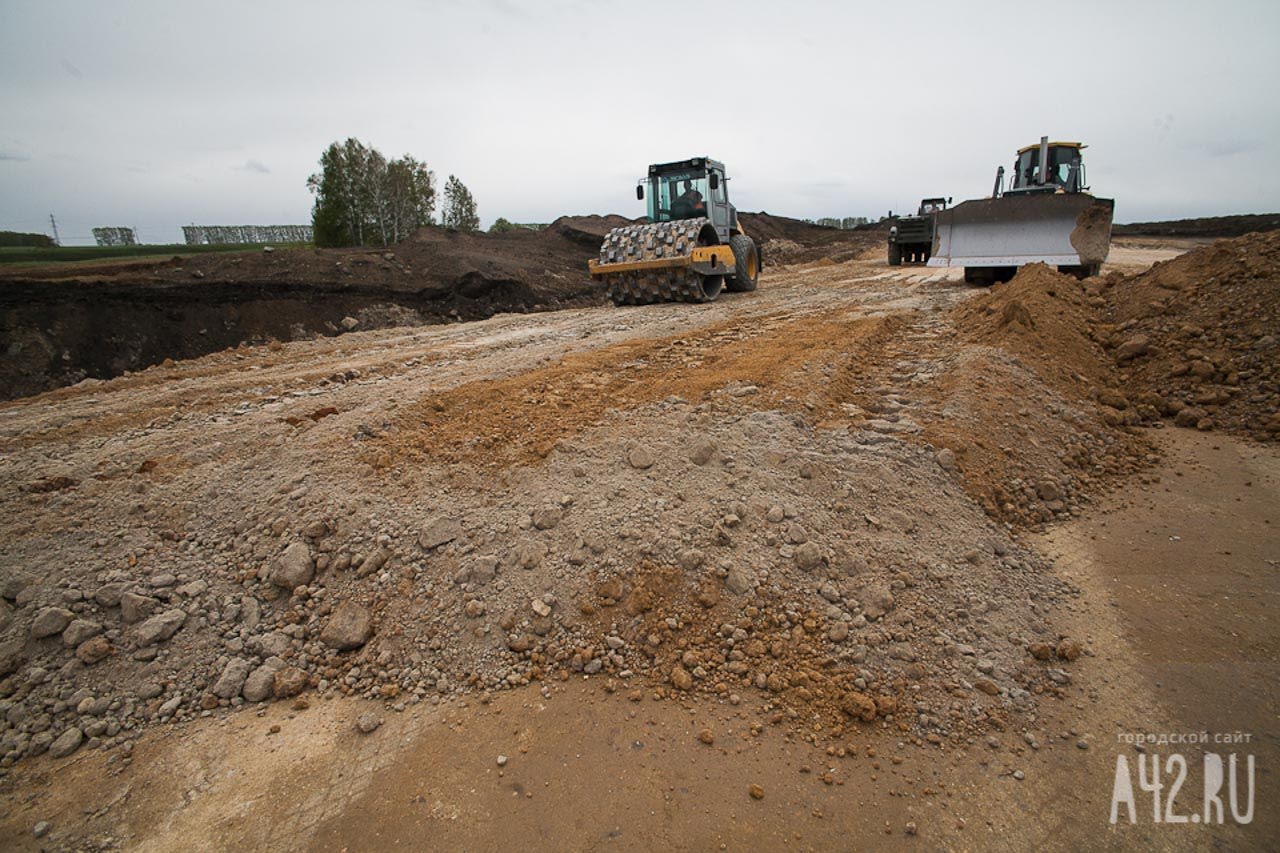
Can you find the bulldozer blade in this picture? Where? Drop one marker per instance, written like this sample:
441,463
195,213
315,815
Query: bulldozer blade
1060,229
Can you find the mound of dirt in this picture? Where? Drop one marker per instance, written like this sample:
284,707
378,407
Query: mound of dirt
590,230
1211,226
1047,319
1195,340
793,241
60,325
1021,406
435,261
1198,337
833,580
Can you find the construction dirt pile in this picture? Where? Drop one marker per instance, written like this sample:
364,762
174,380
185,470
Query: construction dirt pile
1198,337
793,241
435,262
60,324
837,577
678,514
1003,386
1070,368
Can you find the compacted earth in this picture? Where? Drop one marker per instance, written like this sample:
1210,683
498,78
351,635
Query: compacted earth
864,557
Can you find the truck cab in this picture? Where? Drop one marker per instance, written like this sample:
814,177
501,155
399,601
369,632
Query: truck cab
911,237
930,206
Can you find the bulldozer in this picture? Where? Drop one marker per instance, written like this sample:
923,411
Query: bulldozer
691,246
1046,215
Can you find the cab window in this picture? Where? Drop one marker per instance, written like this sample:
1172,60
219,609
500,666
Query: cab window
679,195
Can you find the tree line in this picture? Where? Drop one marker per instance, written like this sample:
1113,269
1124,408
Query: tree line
18,239
846,223
226,235
501,226
364,199
115,236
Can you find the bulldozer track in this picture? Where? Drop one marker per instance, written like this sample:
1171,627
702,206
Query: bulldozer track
655,241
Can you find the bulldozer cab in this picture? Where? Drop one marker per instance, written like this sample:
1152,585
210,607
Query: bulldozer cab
1064,172
931,206
689,189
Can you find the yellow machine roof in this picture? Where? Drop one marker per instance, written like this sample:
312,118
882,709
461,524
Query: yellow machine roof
1051,145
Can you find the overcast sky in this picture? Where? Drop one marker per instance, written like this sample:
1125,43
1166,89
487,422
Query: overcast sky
159,114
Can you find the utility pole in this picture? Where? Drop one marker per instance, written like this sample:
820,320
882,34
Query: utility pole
54,223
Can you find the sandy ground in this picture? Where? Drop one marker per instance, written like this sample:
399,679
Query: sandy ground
1178,585
1181,622
1134,254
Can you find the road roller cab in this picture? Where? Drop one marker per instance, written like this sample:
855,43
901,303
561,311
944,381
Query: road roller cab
689,189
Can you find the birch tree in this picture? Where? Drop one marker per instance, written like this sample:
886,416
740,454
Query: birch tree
459,207
363,199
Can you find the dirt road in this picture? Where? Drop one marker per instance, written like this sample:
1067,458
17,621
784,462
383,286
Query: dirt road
651,557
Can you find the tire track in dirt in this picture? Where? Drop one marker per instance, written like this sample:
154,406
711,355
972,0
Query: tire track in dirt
520,418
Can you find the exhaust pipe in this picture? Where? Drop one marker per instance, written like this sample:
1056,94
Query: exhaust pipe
995,191
1044,160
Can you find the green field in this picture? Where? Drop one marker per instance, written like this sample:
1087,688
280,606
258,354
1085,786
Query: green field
64,254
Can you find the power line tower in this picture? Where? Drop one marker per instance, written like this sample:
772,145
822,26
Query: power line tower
54,223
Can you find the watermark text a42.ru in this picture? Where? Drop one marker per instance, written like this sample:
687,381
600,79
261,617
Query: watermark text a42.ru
1160,782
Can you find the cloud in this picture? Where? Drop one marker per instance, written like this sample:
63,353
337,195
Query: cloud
489,107
14,150
820,189
507,9
1230,147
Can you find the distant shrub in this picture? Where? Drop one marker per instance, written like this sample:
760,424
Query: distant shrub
11,239
115,237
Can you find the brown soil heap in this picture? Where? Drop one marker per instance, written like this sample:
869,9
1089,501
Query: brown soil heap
1203,333
1194,340
790,241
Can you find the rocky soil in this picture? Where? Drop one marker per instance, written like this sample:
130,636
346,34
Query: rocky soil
719,541
1197,339
813,499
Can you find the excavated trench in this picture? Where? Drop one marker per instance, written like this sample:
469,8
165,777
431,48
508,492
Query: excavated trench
62,324
56,333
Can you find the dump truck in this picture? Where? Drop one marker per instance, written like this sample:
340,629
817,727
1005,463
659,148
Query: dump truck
691,245
1045,215
911,237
